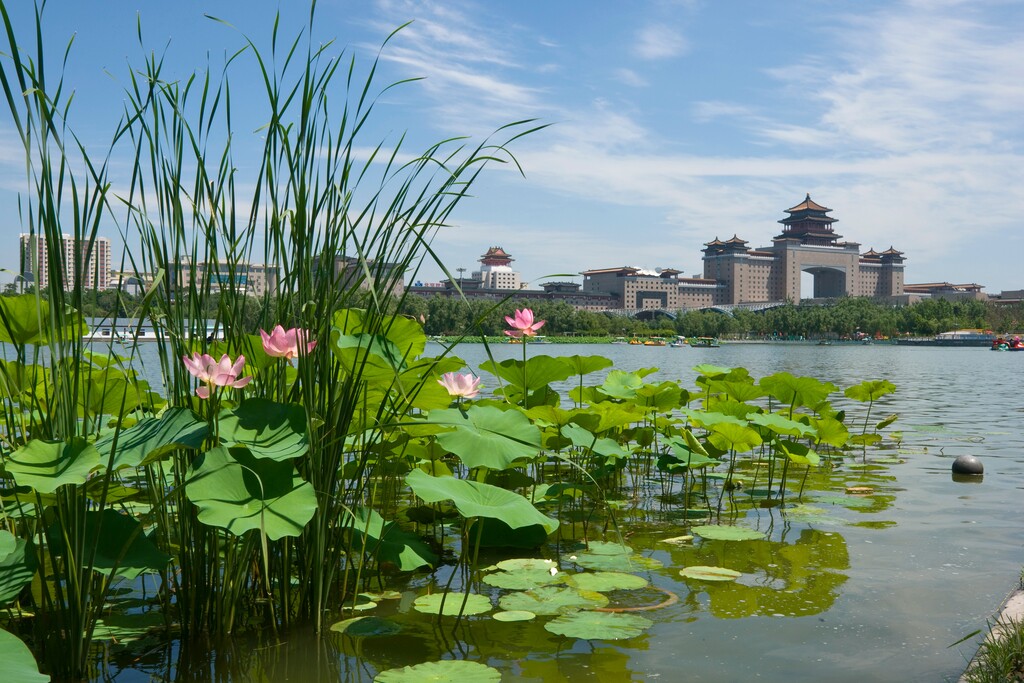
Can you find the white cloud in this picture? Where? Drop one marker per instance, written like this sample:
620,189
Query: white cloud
630,78
658,41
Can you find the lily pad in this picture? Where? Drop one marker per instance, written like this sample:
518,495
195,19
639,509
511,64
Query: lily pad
608,548
514,615
604,582
523,580
19,664
366,627
617,563
845,501
720,532
705,573
599,625
527,564
552,600
447,671
452,604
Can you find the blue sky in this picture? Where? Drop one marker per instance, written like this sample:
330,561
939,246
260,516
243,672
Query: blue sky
672,122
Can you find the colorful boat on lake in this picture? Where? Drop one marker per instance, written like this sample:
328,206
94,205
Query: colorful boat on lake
704,342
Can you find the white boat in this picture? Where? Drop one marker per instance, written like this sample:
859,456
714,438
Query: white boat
678,343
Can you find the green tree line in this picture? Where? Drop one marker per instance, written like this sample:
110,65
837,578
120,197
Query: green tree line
442,315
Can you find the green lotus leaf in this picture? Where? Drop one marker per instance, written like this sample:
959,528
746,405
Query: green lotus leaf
797,391
17,565
608,548
584,365
705,573
366,627
621,384
711,371
599,625
447,671
235,491
485,436
388,542
25,319
603,582
581,438
663,398
887,421
865,439
617,563
452,603
741,391
537,373
727,437
111,391
552,600
152,438
119,542
870,390
710,419
720,532
269,430
370,357
19,664
125,628
781,425
404,334
473,499
799,453
525,579
47,465
526,564
830,431
514,615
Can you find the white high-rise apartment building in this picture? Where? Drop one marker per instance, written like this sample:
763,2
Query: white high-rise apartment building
93,263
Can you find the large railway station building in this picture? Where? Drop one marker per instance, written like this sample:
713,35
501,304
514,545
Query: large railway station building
735,274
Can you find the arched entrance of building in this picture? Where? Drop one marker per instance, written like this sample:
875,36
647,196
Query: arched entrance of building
822,282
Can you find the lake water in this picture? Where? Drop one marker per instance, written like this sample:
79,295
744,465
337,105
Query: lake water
874,593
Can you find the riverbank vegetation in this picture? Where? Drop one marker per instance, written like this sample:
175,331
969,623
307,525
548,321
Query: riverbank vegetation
843,318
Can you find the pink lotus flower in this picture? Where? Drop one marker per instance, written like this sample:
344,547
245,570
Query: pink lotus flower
213,373
282,343
465,386
523,324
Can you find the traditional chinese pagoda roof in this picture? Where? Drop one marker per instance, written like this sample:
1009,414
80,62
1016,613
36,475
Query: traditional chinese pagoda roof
808,222
808,204
496,256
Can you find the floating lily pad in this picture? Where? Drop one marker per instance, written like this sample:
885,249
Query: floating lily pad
366,627
383,595
617,563
552,600
604,582
447,671
19,664
125,628
526,563
720,532
523,580
514,615
845,501
431,604
599,625
608,548
808,514
705,573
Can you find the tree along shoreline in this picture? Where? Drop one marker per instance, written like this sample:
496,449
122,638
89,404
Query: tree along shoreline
469,319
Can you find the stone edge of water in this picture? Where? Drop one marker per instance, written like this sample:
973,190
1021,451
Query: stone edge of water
1012,610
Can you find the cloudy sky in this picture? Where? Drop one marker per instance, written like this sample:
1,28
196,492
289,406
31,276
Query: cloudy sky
671,122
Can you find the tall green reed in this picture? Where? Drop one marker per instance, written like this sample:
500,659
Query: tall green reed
340,229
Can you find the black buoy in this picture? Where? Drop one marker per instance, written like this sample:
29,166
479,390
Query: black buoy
968,464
